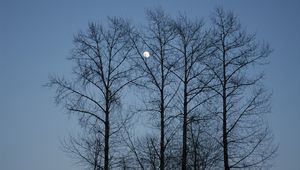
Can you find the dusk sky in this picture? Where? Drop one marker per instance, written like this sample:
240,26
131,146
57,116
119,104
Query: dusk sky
36,37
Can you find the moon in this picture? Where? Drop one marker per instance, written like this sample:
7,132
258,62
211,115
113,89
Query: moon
146,54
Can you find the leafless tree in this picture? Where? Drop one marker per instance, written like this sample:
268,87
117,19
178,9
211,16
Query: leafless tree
101,73
158,83
241,101
192,49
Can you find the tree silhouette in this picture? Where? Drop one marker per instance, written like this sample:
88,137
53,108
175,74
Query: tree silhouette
241,99
156,71
192,49
101,73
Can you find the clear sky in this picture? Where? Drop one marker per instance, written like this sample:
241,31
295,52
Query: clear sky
36,38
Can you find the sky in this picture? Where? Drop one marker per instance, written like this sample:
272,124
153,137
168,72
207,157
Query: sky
36,37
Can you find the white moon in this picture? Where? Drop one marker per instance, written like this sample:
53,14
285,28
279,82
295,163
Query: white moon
146,54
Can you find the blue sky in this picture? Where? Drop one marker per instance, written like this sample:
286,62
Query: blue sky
36,38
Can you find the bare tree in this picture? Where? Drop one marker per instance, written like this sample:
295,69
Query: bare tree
192,49
101,73
241,100
156,71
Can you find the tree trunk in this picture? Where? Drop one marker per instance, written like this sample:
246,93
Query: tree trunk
162,113
185,115
184,133
225,142
106,142
162,142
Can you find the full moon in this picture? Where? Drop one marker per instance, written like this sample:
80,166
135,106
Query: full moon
146,54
